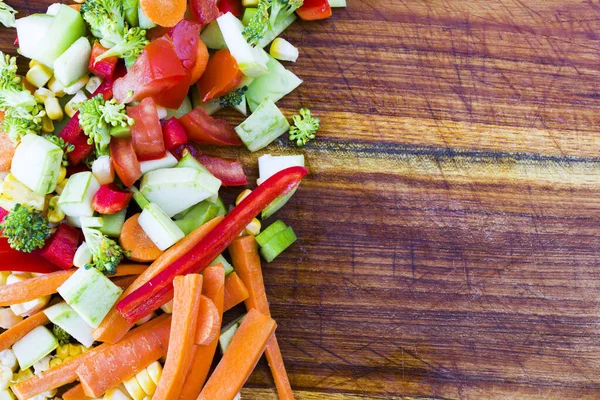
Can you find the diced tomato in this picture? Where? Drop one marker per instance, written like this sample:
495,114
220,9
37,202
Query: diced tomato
204,11
73,133
174,97
125,161
156,70
104,68
61,247
173,134
312,10
204,129
146,133
230,172
110,199
185,36
7,149
221,76
233,6
14,260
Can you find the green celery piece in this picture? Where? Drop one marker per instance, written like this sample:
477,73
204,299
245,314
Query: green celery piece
337,3
113,223
198,215
277,83
187,226
269,233
248,14
222,209
226,265
278,244
277,204
276,30
188,161
265,125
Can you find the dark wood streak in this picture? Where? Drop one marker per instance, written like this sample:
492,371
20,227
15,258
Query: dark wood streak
449,230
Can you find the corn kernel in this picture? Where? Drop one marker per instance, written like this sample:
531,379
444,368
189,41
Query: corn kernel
42,94
38,75
72,105
93,84
33,62
62,352
47,124
117,393
53,108
62,174
134,389
74,350
61,186
242,196
283,50
55,361
145,382
253,228
167,307
55,213
84,349
77,86
154,371
147,318
57,88
250,3
67,358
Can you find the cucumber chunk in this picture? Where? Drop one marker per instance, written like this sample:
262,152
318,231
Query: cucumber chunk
212,36
77,195
277,204
198,215
265,124
34,346
36,164
168,161
228,333
72,65
276,30
30,31
63,315
269,165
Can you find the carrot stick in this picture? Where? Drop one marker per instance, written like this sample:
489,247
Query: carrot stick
120,361
164,12
202,356
130,269
114,326
33,288
12,335
66,372
76,393
186,306
235,291
240,358
134,239
246,261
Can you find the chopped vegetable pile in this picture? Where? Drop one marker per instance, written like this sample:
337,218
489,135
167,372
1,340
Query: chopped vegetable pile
116,243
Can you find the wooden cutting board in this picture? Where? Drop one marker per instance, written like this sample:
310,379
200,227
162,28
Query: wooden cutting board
449,232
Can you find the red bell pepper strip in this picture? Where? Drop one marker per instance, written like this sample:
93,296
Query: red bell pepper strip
204,11
229,172
73,133
110,199
313,10
173,134
104,68
159,289
204,129
61,247
233,6
13,260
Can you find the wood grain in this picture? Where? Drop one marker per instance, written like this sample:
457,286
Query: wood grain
449,230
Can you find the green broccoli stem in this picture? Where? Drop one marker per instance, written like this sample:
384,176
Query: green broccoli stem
139,198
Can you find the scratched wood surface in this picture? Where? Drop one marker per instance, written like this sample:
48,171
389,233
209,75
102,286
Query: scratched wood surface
450,228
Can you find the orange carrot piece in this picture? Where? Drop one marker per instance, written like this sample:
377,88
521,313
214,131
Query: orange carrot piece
241,357
120,361
201,62
246,261
213,288
164,12
33,288
209,326
186,306
134,239
76,393
114,326
12,335
130,269
235,291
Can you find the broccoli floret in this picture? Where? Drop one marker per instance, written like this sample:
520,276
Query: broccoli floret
97,116
106,19
233,98
16,127
281,9
106,253
258,24
62,335
26,228
304,128
7,15
65,146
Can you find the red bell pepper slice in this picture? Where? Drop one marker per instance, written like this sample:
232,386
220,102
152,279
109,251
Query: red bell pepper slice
73,133
313,10
146,133
61,247
173,134
106,87
153,294
104,68
14,260
110,199
233,6
125,161
204,11
204,129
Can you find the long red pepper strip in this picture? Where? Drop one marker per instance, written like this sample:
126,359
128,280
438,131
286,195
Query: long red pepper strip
159,289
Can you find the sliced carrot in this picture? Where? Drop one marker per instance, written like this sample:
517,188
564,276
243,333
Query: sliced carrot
235,291
246,261
201,61
164,12
134,239
130,269
66,372
121,361
213,288
12,335
124,281
186,306
33,288
241,357
209,326
76,393
114,326
7,151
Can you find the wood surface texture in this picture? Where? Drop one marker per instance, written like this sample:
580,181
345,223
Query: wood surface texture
449,230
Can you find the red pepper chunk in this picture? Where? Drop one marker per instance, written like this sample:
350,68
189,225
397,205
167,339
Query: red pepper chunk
313,10
109,199
233,6
14,260
61,247
159,289
104,68
173,134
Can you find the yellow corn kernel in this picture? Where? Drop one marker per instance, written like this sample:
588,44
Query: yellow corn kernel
154,372
53,108
33,62
55,213
134,389
84,349
117,393
42,94
253,228
61,186
62,352
167,307
38,75
55,361
22,375
62,174
145,382
74,350
67,358
242,196
57,88
47,124
145,319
